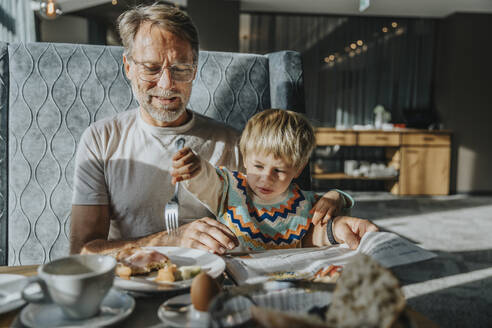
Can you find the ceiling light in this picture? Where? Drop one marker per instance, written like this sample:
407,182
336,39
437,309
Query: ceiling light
384,29
360,43
353,45
394,25
49,9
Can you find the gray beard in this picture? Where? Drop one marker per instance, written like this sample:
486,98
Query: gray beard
161,115
165,115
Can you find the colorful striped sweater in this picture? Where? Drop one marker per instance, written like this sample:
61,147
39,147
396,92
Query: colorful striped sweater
257,226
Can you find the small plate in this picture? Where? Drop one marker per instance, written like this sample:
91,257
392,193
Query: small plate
115,307
213,264
190,318
11,287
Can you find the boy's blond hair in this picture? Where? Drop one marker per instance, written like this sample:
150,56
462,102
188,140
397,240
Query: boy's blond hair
283,133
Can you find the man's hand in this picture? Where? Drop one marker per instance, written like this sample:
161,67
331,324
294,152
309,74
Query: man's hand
207,234
186,165
349,230
328,206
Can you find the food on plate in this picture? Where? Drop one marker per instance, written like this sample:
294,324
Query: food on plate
167,274
186,272
366,295
328,274
203,290
123,271
171,273
136,260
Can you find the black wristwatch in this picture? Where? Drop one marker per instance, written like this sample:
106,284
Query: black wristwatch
329,232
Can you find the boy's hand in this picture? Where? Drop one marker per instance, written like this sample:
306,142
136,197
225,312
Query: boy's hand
328,206
186,165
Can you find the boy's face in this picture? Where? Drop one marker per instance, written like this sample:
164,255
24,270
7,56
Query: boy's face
268,176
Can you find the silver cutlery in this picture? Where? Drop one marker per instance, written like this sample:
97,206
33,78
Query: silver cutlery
171,211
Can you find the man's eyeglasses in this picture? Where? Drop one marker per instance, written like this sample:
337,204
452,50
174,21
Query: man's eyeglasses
152,73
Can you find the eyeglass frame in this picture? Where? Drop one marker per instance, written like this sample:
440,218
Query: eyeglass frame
170,68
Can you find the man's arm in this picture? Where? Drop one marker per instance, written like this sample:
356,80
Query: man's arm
90,228
89,223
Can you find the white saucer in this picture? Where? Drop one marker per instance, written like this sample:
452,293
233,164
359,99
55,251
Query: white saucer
189,319
115,307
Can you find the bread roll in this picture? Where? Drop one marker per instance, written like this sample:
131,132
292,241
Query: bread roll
366,295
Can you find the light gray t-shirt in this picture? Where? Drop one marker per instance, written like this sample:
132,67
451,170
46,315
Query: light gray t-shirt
125,163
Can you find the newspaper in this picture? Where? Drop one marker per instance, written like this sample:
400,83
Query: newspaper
387,248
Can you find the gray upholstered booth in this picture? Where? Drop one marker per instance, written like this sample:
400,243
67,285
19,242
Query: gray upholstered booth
51,92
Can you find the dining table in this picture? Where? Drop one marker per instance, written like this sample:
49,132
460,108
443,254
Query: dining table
146,307
144,314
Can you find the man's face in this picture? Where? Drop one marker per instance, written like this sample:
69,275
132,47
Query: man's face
164,100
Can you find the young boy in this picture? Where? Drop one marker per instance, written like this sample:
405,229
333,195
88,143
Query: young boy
263,208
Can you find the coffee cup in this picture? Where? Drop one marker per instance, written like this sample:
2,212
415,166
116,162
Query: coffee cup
76,283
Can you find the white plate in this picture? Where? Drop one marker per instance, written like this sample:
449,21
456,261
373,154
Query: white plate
192,318
18,302
11,286
213,264
115,307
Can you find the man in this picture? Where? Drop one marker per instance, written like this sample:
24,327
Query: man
122,177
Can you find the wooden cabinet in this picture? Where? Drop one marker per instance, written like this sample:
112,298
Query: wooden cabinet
426,139
385,139
421,157
327,137
425,164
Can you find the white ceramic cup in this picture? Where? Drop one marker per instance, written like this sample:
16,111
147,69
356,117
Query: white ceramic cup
349,166
76,283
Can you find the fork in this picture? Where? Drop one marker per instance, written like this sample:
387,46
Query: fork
171,210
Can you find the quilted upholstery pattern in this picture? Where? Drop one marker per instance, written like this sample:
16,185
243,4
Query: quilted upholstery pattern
56,91
231,87
286,84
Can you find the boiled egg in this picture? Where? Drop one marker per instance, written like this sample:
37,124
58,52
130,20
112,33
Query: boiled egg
203,289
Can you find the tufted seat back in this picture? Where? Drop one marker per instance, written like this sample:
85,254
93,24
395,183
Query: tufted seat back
50,93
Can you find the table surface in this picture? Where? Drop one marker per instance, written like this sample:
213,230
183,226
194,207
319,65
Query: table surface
145,313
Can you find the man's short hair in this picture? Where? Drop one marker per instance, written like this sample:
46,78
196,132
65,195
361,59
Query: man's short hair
170,18
284,134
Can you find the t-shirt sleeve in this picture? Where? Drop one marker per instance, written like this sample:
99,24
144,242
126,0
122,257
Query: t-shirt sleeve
209,187
89,183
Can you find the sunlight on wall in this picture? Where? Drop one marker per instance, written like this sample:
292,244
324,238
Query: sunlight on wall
466,164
